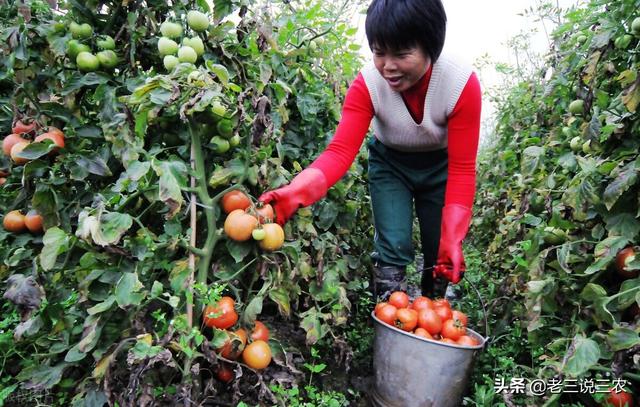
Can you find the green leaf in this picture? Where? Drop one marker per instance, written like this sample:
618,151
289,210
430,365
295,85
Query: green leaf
173,177
222,8
239,250
128,290
41,377
36,150
111,228
623,224
531,157
622,338
312,324
625,178
220,71
281,297
45,202
606,251
253,309
591,292
102,306
55,242
586,354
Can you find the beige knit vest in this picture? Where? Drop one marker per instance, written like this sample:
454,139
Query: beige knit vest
393,124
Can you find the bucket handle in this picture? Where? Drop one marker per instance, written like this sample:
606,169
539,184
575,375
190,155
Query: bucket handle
484,308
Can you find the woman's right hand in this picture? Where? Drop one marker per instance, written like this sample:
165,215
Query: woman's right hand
305,189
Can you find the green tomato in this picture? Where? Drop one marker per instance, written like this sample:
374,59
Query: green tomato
108,59
581,38
586,147
87,62
80,31
187,54
106,42
171,30
623,41
170,62
195,43
74,47
567,131
635,25
167,46
258,234
225,128
235,140
576,107
576,144
218,109
197,20
220,145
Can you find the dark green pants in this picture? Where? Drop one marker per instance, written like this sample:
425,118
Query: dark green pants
397,182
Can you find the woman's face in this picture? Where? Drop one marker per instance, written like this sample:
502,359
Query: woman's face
401,68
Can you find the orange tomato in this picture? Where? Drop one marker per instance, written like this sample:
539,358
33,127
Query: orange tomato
407,319
16,149
467,340
274,237
14,222
235,345
239,225
257,355
235,200
421,303
443,312
423,333
33,221
23,126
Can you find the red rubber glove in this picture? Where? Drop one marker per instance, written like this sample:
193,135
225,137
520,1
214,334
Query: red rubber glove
453,229
305,189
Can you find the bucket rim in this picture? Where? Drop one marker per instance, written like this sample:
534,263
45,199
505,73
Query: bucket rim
483,340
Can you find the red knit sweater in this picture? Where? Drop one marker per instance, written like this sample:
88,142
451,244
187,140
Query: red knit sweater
463,129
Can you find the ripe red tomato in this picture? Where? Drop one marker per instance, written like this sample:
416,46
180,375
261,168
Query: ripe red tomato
459,316
399,299
224,373
260,332
235,200
443,312
265,213
407,319
625,256
467,340
239,225
450,341
9,142
387,314
257,355
428,319
23,127
621,399
453,330
55,137
441,302
422,333
378,306
221,315
235,345
421,303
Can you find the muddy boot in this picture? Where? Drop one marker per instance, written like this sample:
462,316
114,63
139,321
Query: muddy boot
433,287
387,279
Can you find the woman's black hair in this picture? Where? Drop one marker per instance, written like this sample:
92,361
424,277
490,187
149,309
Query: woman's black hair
401,24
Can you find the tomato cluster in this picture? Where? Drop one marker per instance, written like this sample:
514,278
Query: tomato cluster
21,134
16,222
253,348
245,221
426,318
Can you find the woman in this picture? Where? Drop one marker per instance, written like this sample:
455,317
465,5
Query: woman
425,107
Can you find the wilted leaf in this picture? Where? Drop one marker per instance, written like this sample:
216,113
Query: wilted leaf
281,297
112,225
55,242
128,290
625,178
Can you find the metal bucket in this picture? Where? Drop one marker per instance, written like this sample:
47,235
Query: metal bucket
411,371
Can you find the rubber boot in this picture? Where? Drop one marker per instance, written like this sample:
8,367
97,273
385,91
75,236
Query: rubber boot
387,279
